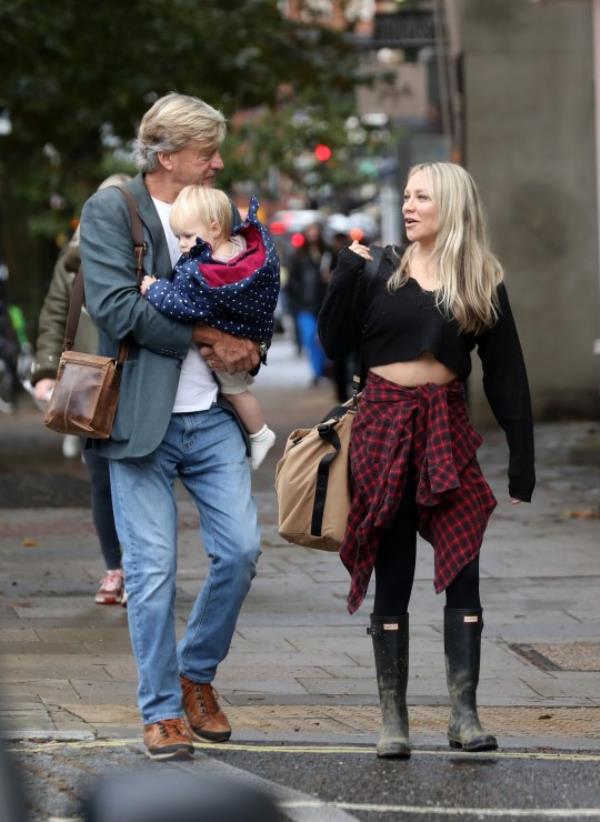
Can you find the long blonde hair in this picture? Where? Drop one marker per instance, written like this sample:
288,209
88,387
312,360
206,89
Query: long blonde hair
468,271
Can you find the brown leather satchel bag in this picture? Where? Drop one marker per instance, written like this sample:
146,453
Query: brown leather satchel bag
86,393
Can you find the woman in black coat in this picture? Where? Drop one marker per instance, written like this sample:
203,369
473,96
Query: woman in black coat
413,449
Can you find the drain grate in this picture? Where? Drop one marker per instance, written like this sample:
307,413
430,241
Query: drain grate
564,656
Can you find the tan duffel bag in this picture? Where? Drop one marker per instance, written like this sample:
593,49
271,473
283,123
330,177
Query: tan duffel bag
312,482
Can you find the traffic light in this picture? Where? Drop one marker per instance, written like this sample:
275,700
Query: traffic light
323,153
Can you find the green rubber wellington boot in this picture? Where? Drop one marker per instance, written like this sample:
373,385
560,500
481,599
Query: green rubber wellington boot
462,645
390,646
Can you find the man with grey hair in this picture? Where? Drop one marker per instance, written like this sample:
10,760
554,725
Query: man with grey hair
171,423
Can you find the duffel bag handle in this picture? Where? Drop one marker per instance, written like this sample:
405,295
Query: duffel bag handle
329,434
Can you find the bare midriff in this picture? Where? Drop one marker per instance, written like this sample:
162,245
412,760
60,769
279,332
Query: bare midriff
421,371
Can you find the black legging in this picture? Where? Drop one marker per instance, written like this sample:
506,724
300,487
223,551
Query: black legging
102,512
395,565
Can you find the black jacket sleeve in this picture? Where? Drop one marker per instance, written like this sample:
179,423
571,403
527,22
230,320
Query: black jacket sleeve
507,390
341,315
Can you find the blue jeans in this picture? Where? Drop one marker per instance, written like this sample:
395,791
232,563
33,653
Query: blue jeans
102,511
206,450
307,323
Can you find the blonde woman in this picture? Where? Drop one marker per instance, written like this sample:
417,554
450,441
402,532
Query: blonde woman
413,449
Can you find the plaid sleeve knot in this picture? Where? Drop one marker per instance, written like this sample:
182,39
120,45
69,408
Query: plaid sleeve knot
426,427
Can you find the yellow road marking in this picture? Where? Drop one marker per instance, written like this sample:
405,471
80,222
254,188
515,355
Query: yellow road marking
314,749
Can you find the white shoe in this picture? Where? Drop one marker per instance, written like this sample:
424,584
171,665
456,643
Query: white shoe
260,445
70,446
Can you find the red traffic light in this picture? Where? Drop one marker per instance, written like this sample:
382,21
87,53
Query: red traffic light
323,153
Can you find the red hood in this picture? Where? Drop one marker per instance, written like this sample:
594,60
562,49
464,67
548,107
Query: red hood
238,268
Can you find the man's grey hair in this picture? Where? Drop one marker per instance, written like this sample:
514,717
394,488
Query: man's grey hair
173,121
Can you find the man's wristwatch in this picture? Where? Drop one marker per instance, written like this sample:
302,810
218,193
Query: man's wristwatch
263,347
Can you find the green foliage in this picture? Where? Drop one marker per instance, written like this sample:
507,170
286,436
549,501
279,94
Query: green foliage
284,139
77,77
72,67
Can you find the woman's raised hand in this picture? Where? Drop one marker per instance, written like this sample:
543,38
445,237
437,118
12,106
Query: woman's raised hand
361,250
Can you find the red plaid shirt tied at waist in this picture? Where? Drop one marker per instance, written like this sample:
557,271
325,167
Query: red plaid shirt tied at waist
425,429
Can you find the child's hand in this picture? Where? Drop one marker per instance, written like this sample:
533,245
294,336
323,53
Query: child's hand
146,283
361,250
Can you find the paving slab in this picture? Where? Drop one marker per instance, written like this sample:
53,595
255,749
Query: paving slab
95,691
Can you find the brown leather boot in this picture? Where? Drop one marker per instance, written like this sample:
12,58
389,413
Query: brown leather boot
207,720
168,739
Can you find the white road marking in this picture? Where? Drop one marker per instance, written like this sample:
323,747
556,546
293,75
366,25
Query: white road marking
419,810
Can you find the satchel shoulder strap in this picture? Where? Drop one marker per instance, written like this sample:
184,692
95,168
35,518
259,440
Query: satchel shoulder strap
77,294
140,246
75,305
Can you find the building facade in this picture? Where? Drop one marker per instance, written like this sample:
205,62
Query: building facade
510,89
530,137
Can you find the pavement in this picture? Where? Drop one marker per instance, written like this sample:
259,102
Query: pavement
300,671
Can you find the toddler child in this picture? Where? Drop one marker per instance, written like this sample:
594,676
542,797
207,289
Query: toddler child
228,279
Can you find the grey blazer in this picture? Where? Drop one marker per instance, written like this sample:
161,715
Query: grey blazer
157,345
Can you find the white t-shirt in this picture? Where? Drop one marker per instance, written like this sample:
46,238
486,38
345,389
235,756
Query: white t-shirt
197,389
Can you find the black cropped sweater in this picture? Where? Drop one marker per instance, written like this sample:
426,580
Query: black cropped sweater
359,313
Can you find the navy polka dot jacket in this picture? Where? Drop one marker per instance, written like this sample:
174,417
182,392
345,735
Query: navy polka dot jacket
238,296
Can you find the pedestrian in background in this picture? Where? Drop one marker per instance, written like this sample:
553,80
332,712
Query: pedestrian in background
413,449
340,369
48,348
171,422
306,286
288,300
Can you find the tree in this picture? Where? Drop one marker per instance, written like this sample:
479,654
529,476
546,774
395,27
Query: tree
279,141
77,77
